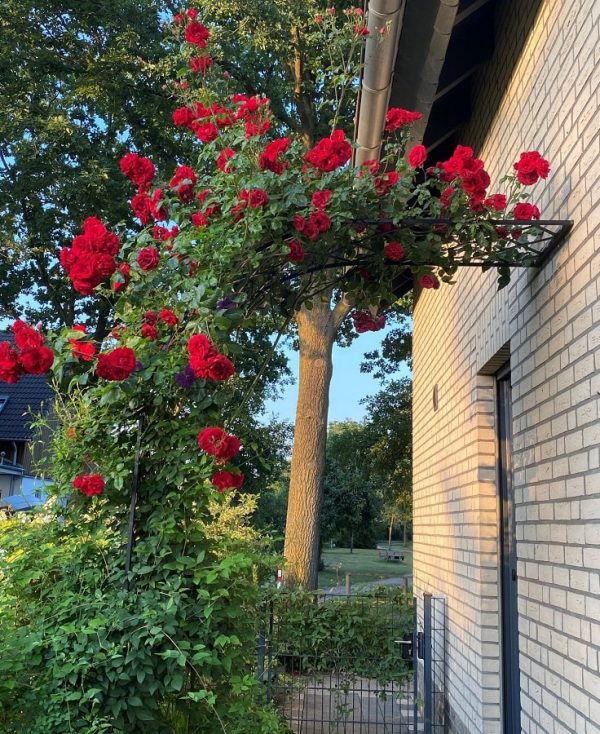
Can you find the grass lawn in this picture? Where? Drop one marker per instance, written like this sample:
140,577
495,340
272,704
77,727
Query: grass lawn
364,564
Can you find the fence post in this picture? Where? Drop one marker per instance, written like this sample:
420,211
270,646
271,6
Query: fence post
427,668
348,577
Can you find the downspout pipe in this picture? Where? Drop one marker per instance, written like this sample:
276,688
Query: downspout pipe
384,24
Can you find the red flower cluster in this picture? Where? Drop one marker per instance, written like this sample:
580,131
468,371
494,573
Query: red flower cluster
214,441
82,348
197,34
268,159
223,160
149,208
496,201
254,112
206,362
148,258
254,198
320,199
316,224
117,364
330,153
89,484
474,179
384,184
139,170
31,356
531,167
91,257
201,64
364,321
394,251
124,272
162,234
183,183
224,480
397,117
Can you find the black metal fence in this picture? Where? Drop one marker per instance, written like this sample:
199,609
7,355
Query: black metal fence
341,663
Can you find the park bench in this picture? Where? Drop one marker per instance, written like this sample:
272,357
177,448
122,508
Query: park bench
390,555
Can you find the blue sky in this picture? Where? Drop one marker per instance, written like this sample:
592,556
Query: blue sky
348,385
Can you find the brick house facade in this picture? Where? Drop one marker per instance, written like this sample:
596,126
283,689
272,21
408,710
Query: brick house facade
538,91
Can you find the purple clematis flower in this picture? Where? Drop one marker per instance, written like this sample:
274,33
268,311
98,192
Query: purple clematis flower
223,304
186,377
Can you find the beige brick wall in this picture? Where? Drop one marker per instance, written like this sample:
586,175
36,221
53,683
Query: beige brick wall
547,100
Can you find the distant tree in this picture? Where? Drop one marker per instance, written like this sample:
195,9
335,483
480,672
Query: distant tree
389,424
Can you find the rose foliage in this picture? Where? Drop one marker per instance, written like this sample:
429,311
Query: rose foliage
256,226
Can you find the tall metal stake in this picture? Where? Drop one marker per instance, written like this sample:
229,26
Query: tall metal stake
132,505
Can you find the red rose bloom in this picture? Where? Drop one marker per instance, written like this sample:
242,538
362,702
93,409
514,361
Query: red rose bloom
89,484
200,64
206,132
268,159
223,158
429,281
183,183
397,117
384,184
214,441
526,211
417,156
25,336
299,223
217,368
199,219
531,167
139,170
81,348
446,196
168,317
36,360
197,34
183,117
201,346
297,253
330,153
496,201
224,480
320,220
191,13
149,331
117,364
148,258
394,251
254,198
320,199
124,271
364,321
10,368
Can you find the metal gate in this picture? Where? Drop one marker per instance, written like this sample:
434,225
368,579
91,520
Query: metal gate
349,664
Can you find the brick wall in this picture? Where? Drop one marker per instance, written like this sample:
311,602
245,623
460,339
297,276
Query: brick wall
547,99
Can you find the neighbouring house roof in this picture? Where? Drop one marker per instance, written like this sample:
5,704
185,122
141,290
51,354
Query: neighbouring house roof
25,397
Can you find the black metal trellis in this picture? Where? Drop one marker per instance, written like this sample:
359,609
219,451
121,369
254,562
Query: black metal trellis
133,504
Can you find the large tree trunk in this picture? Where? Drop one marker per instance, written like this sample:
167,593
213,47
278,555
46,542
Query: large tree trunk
316,334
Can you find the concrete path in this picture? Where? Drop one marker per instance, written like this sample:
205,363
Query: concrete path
358,588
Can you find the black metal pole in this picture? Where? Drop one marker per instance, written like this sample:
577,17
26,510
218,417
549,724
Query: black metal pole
132,505
427,668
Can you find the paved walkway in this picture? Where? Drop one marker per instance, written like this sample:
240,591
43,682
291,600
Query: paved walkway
336,706
357,588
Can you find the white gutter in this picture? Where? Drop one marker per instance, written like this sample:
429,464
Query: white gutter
384,23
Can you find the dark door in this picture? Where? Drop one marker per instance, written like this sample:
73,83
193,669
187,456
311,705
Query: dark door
508,563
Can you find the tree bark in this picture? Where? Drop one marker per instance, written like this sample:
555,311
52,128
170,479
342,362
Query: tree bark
316,334
390,531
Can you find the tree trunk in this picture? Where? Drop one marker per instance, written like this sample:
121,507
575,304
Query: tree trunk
352,541
316,334
390,531
404,532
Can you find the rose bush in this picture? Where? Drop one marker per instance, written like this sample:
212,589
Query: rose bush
255,227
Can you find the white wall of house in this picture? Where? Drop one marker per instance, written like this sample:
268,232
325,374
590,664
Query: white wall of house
550,319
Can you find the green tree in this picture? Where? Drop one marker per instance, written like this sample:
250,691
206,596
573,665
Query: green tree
80,83
389,425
